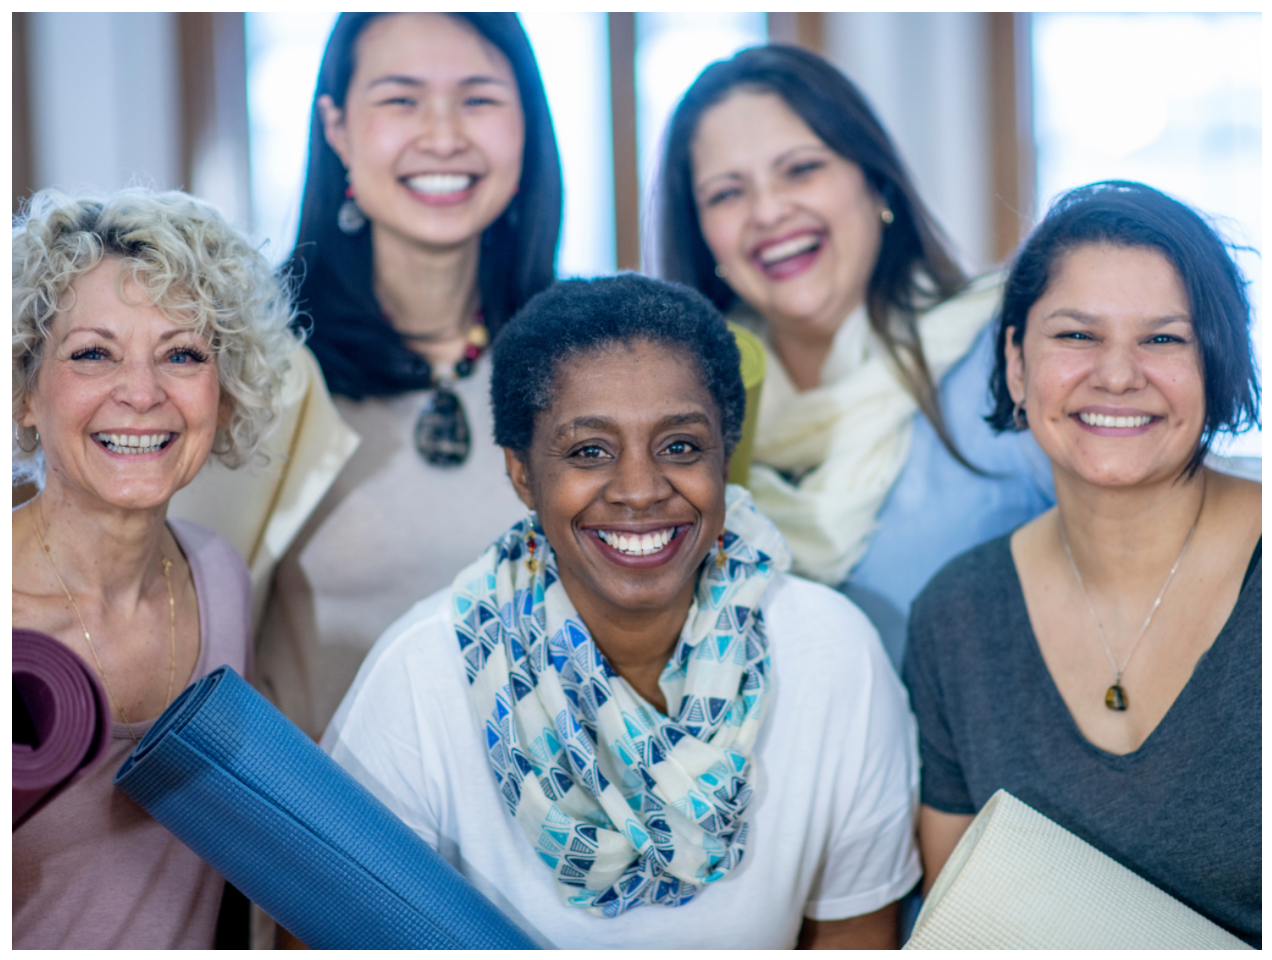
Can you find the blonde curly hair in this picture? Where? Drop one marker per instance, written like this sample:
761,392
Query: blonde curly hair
192,265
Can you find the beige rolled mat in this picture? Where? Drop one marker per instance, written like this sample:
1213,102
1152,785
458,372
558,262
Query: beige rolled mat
1019,881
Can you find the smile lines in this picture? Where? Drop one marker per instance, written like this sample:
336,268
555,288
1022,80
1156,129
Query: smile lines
1102,420
637,545
133,443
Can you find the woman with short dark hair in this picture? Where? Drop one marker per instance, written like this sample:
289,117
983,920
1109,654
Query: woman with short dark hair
625,722
1102,663
783,199
431,213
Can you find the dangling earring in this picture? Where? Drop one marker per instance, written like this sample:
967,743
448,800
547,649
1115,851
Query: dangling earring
721,559
350,218
1019,417
886,215
531,563
19,432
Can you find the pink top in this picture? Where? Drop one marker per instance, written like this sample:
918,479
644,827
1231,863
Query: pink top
91,869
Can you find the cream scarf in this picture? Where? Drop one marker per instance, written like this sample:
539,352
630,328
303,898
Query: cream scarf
845,442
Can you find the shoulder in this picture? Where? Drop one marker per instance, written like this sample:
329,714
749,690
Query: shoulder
965,588
211,554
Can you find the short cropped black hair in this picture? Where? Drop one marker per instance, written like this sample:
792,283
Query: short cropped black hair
574,318
1126,214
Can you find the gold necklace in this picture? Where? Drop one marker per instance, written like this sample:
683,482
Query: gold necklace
172,624
1115,697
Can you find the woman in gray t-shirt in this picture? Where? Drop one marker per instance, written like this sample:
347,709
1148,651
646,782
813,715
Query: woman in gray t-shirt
1102,663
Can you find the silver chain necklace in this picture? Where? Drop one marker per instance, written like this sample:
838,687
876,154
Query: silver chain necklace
1115,697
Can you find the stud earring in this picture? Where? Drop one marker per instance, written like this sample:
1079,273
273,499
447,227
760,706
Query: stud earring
721,559
886,215
1018,416
720,271
350,218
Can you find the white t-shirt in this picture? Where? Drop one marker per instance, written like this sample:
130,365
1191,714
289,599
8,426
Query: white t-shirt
835,775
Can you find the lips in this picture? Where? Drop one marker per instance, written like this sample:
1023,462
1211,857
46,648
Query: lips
1123,422
640,548
788,256
134,444
441,186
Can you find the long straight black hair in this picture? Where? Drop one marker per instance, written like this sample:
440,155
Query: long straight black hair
914,269
359,351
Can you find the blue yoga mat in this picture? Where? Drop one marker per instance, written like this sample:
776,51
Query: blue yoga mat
246,790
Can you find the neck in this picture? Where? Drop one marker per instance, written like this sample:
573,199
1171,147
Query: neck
803,346
426,291
1123,539
637,644
107,554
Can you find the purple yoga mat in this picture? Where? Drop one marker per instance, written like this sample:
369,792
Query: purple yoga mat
61,720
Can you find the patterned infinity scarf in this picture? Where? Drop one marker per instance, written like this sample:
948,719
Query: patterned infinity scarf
624,805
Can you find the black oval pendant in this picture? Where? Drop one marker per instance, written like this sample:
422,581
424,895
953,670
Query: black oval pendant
1115,697
441,433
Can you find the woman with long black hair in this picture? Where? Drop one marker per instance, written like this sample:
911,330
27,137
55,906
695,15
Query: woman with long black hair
431,212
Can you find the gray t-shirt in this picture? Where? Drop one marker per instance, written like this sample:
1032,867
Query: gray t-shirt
1184,811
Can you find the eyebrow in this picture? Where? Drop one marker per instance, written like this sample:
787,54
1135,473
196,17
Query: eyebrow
580,424
109,335
408,81
1089,318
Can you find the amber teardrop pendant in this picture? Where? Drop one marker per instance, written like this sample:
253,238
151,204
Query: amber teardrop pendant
441,433
1115,697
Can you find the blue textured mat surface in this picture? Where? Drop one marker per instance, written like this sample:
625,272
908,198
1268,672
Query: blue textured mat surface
246,790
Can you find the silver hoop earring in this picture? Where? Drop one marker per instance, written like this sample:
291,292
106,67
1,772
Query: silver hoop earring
1019,417
350,218
18,433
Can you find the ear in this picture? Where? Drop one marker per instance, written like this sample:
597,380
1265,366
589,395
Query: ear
1014,354
25,417
333,127
519,476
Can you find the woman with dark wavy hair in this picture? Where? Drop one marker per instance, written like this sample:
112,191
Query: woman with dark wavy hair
783,199
431,212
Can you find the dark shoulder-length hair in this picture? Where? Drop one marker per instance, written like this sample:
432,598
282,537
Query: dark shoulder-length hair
359,351
1126,214
914,269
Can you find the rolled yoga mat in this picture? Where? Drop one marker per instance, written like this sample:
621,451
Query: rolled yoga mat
1020,881
61,720
245,789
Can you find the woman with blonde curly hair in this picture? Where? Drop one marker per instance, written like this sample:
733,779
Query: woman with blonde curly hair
147,334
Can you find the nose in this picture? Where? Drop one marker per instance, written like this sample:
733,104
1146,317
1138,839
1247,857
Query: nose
139,386
441,132
769,206
1118,369
638,482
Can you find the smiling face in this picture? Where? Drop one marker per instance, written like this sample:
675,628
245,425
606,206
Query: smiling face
126,401
794,225
627,474
1109,371
432,129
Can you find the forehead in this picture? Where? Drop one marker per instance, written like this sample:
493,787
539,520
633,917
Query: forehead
748,126
1117,280
426,46
630,384
108,298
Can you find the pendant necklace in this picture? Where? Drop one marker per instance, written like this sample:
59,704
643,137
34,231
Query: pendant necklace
442,435
1115,697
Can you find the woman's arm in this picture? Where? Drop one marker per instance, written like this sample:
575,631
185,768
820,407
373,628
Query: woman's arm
939,833
871,931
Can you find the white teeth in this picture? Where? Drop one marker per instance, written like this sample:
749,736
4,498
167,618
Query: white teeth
789,248
133,443
440,183
1102,420
638,545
